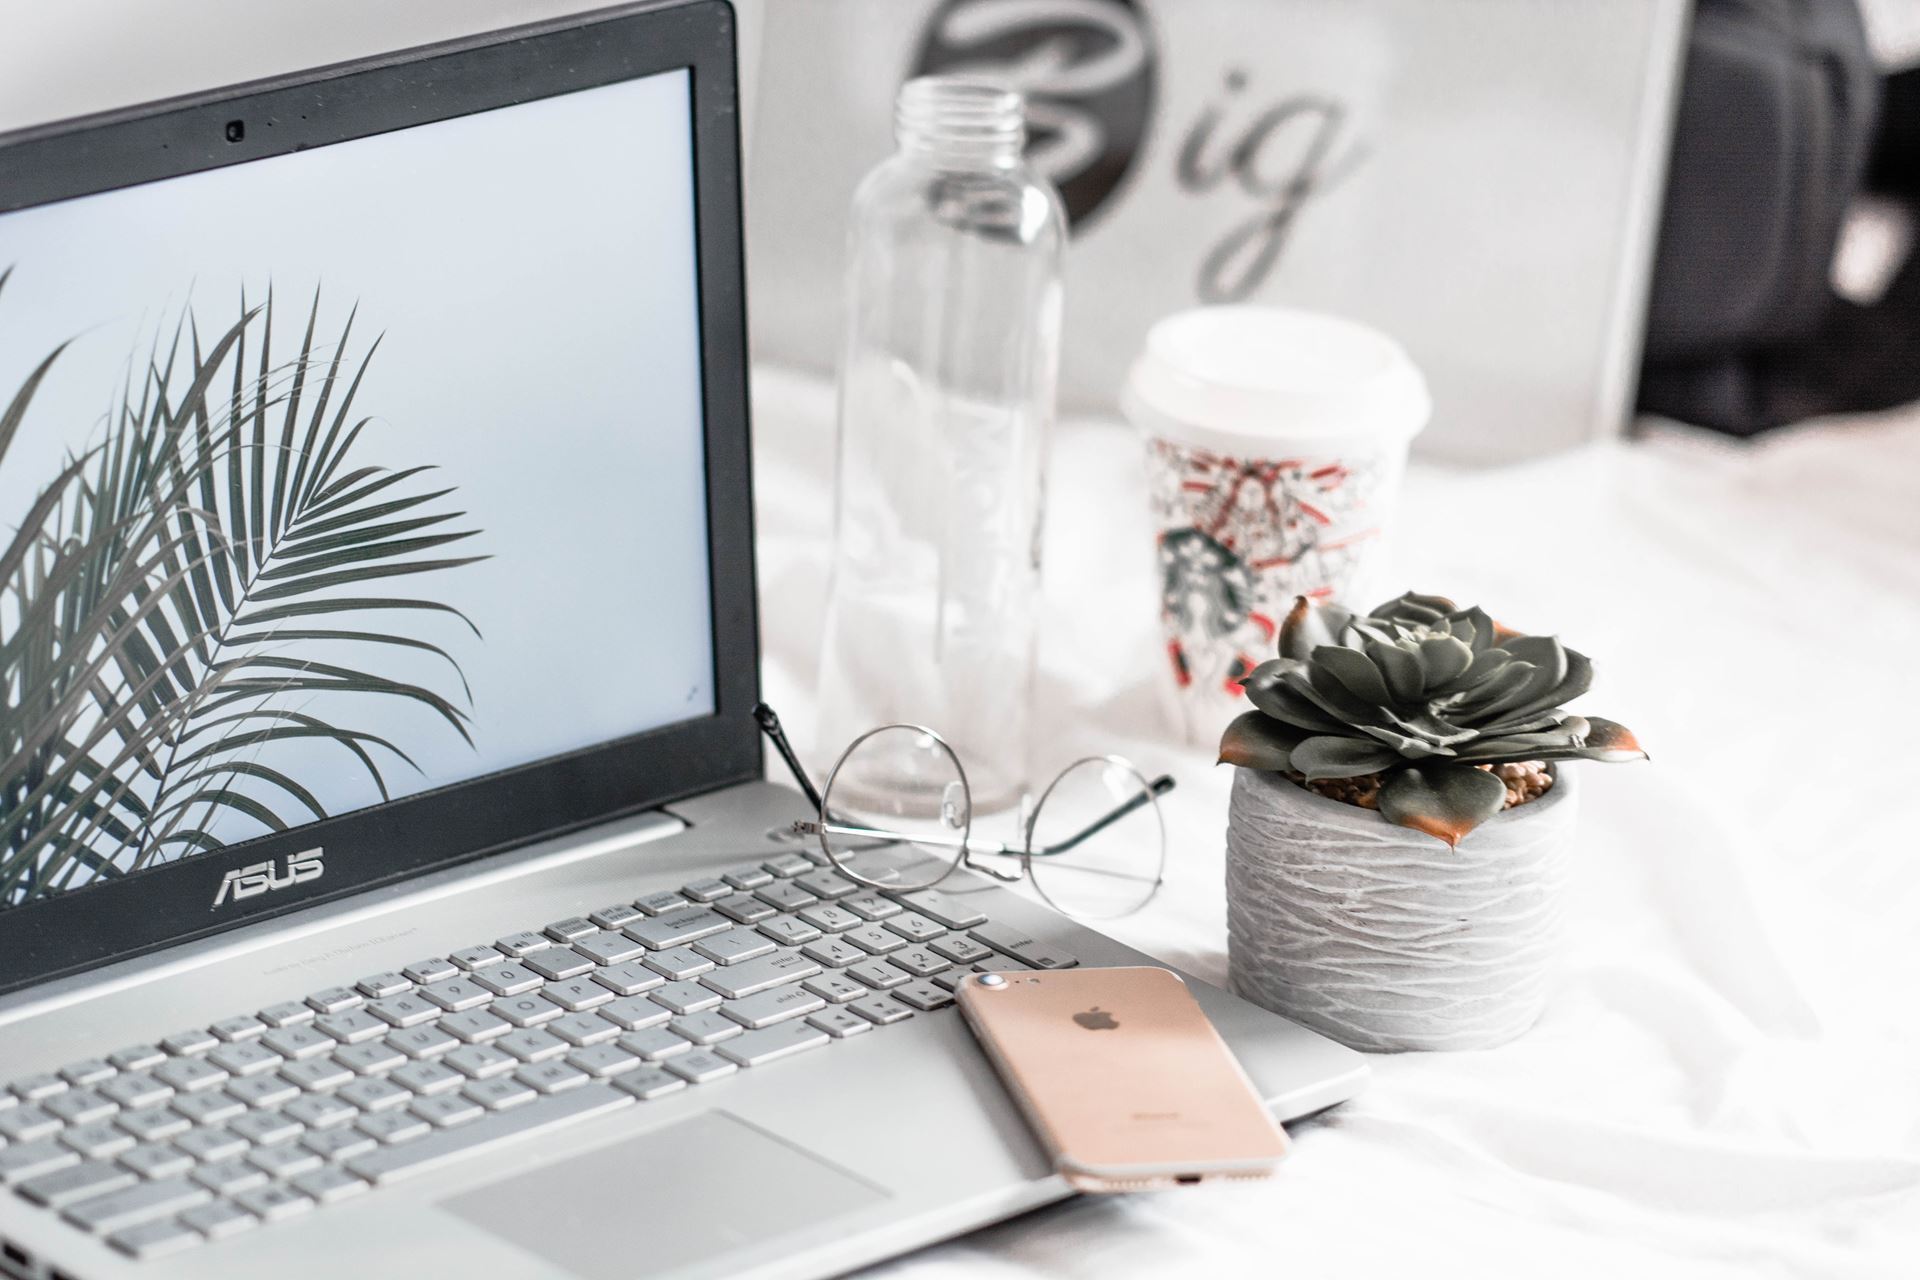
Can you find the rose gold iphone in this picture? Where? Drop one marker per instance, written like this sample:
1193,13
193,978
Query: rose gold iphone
1123,1077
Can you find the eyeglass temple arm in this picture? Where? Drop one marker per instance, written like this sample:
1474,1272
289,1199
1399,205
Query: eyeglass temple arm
1159,787
769,722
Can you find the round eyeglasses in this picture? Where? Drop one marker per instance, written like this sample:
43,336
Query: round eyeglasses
1093,844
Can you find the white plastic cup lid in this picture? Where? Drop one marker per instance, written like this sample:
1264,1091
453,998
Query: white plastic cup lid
1237,379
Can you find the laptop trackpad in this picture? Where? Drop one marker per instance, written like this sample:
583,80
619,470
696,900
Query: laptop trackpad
691,1190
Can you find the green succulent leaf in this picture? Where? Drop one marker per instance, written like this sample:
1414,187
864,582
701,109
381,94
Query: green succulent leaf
1445,660
1503,689
1406,680
1567,735
1330,757
1415,608
1486,664
1256,740
1482,627
1307,626
1443,799
1268,690
1574,681
1419,679
1610,740
1408,746
1353,673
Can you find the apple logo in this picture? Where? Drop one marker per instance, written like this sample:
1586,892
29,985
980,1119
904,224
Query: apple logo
1096,1019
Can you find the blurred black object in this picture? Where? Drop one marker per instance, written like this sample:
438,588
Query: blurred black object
1776,130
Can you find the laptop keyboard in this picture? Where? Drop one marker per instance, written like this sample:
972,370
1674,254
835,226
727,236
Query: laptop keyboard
270,1115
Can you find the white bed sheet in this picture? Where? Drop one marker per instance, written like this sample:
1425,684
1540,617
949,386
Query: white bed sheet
1727,1080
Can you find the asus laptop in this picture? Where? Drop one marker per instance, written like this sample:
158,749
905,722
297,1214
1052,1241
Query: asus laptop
388,885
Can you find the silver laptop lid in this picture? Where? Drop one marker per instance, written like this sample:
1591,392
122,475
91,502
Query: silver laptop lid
372,477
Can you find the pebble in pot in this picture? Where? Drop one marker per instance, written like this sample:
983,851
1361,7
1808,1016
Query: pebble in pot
1397,839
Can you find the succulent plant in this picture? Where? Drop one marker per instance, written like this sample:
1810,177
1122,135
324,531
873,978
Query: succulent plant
1421,692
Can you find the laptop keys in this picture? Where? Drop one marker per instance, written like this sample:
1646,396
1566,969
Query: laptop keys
558,963
612,917
183,1043
85,1072
631,979
734,946
78,1106
218,1220
677,928
944,908
647,1083
678,963
382,984
700,1066
789,931
605,946
1027,950
426,972
37,1087
154,1240
915,927
758,1047
422,1154
871,906
136,1204
270,1115
287,1014
769,1007
709,890
519,945
455,994
24,1160
471,958
923,995
880,1011
136,1089
138,1057
744,908
750,976
570,928
838,1023
244,1027
507,979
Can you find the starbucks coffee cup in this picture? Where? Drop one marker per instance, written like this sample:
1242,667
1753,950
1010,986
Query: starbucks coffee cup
1276,441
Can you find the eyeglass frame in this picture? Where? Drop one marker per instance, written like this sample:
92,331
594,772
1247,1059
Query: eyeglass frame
963,844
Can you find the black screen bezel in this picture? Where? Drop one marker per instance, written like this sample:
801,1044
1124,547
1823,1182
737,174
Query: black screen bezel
161,906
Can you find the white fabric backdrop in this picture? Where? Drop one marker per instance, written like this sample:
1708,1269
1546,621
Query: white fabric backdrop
1727,1080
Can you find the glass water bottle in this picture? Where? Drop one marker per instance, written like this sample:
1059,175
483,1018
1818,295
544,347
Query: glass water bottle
947,381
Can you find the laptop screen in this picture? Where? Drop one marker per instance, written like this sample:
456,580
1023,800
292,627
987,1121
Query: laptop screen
338,476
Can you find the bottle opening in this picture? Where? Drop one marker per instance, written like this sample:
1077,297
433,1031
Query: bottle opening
961,118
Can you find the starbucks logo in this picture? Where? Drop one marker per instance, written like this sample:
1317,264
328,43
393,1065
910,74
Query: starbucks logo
1087,68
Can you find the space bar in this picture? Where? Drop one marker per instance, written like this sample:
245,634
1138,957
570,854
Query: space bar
444,1145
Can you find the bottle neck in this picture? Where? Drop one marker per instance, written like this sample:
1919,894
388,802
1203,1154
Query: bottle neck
960,124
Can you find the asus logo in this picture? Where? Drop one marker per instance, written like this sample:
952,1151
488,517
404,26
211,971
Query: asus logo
261,877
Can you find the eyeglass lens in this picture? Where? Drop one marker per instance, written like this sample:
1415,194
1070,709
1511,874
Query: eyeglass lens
1101,820
903,780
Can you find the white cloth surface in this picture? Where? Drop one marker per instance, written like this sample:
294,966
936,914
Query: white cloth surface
1726,1082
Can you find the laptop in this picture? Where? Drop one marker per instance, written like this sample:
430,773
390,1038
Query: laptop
389,885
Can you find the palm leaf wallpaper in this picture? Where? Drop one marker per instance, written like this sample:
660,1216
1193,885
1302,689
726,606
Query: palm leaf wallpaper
207,591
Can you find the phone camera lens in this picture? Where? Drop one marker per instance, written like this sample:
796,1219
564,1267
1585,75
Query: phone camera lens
236,130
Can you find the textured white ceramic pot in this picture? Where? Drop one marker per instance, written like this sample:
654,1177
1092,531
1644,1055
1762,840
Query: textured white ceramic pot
1384,938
